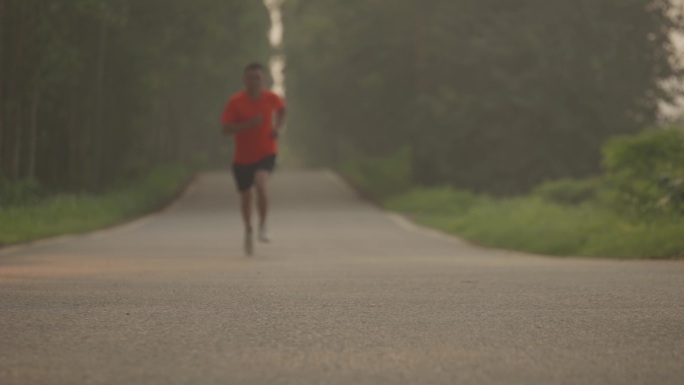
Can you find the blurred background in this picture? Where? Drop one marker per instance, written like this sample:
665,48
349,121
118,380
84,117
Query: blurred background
573,102
489,95
97,90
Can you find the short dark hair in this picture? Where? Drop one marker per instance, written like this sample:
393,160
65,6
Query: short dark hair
254,66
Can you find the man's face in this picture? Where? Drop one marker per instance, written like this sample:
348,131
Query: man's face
254,79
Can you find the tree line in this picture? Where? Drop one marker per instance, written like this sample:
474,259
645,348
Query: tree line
488,95
92,91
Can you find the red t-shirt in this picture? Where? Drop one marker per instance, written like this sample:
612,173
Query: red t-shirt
255,143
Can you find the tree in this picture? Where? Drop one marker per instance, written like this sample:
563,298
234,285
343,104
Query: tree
490,95
92,91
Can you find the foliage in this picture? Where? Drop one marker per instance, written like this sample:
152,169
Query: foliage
646,171
491,96
569,191
70,213
533,225
25,191
438,201
385,177
628,213
95,90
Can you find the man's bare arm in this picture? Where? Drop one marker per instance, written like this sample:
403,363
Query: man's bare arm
279,123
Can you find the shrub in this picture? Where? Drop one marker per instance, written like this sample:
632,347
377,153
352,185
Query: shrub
382,177
73,213
22,192
646,172
438,201
569,191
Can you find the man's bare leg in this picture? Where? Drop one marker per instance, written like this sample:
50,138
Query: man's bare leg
261,180
246,208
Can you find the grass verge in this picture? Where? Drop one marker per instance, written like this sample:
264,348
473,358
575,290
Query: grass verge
533,225
563,218
66,214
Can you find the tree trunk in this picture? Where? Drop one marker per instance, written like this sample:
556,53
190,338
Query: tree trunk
425,169
15,163
33,131
99,131
420,166
2,78
74,148
16,93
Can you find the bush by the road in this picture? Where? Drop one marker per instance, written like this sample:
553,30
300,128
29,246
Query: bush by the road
380,177
73,213
534,225
569,191
633,211
22,192
646,171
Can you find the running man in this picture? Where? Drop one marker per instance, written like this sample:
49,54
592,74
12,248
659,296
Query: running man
249,115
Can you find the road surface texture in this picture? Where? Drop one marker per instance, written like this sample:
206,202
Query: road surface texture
345,294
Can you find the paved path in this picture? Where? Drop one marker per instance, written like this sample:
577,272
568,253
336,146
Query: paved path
345,295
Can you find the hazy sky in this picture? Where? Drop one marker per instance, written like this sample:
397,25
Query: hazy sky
276,37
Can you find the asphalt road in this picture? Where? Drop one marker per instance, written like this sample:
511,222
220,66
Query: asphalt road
345,294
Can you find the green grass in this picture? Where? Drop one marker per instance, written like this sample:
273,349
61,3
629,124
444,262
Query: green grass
562,218
534,225
66,214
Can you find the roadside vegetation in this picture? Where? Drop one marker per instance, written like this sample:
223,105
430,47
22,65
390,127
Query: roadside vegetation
513,124
29,213
635,209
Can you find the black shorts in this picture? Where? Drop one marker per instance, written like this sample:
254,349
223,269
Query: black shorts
244,173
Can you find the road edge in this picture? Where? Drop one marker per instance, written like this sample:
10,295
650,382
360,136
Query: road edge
399,219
